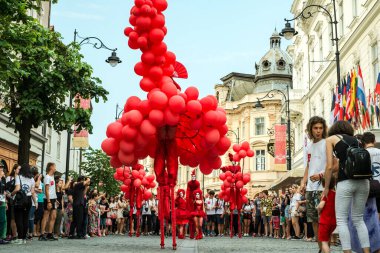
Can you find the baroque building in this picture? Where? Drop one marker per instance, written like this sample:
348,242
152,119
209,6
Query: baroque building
238,94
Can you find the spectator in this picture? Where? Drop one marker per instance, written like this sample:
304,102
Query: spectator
258,217
93,214
39,212
276,218
266,211
78,192
60,207
3,207
10,186
287,213
294,211
68,215
147,217
104,209
50,212
121,204
219,215
25,183
112,215
210,211
154,214
348,190
315,168
247,217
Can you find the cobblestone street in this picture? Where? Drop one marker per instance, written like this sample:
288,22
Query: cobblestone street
152,244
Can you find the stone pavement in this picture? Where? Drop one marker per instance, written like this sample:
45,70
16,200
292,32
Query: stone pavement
151,244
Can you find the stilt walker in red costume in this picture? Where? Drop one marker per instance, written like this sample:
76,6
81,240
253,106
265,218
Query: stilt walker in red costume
182,215
192,186
170,126
198,213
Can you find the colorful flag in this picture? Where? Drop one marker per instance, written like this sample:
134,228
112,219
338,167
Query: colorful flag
332,109
377,89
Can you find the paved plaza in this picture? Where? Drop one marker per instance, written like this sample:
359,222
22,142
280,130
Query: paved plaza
152,244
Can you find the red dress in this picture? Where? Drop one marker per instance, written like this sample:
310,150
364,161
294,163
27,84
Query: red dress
198,209
182,215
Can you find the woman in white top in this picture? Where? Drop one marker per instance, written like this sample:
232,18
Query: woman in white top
25,183
120,218
247,217
294,210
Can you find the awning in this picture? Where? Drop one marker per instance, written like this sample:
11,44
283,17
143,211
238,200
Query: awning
292,177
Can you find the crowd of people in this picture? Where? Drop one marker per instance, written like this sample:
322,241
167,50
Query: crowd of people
327,204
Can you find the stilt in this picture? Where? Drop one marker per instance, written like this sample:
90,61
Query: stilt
138,223
161,216
231,222
174,236
239,225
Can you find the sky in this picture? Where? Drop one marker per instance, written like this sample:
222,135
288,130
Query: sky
212,38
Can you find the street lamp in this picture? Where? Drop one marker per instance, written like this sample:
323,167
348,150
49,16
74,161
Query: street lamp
118,113
236,135
289,32
113,60
271,94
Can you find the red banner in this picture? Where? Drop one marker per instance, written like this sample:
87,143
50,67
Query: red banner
280,144
80,139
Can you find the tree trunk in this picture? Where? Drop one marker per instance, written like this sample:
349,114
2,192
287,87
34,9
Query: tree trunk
24,130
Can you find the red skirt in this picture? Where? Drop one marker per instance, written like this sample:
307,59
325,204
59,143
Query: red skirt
182,216
198,214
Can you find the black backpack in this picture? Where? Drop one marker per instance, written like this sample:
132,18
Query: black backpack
358,162
20,199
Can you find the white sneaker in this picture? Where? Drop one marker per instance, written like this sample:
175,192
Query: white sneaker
24,241
17,241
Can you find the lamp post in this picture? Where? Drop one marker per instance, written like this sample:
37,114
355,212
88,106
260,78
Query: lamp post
236,135
271,94
118,113
288,32
113,60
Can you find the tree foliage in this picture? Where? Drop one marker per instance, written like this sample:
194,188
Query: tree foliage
97,167
38,74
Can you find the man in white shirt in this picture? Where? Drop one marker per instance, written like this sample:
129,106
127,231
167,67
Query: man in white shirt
210,211
49,204
315,169
146,217
369,141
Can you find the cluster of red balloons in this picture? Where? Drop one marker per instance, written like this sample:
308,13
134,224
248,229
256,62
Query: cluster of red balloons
201,124
243,150
135,178
232,189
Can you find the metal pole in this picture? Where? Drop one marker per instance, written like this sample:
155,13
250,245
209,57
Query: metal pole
43,149
336,46
288,158
117,109
80,161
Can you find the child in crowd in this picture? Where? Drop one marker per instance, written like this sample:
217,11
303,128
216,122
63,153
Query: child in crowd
327,220
276,218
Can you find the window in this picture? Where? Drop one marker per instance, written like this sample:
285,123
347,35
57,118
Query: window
48,144
59,147
260,160
375,62
320,48
243,130
341,19
259,126
354,8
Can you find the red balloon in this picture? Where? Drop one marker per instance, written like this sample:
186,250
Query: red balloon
168,71
114,130
194,107
170,118
156,117
246,179
244,199
250,153
210,117
116,176
120,171
223,144
126,159
169,89
245,145
155,73
207,104
143,23
144,107
144,181
222,176
148,58
236,157
134,118
161,5
127,147
160,60
242,153
147,195
236,148
216,163
223,130
150,178
147,128
243,191
127,31
124,188
177,104
137,182
158,100
170,57
146,84
159,49
239,184
132,103
135,174
132,21
156,35
115,163
140,69
142,42
129,133
212,137
158,21
152,185
139,3
110,146
192,93
127,181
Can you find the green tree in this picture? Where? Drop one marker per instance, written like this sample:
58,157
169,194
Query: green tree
97,167
38,74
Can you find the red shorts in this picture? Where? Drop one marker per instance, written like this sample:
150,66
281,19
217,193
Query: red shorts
325,231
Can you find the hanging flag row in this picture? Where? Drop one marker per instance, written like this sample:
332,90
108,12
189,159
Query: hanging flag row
349,102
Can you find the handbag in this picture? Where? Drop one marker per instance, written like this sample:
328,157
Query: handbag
374,189
20,199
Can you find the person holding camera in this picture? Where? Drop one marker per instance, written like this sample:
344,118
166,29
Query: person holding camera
147,217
